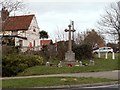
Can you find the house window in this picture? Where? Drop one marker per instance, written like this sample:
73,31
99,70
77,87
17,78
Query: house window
34,43
23,31
20,43
30,44
34,30
14,32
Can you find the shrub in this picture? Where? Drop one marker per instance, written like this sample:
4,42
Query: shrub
54,60
83,51
14,63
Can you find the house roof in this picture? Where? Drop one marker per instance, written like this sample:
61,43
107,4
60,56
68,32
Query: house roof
17,22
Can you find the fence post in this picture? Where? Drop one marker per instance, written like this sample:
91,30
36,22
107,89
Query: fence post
98,54
106,55
113,55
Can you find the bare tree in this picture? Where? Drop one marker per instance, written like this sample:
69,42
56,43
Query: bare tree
79,37
8,6
110,22
12,5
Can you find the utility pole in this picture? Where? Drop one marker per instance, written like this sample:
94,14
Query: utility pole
119,25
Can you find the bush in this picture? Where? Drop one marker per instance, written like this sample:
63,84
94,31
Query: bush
54,60
9,49
83,51
14,63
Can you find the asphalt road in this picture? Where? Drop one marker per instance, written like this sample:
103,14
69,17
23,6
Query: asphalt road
105,87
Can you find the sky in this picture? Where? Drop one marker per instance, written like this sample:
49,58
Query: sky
54,16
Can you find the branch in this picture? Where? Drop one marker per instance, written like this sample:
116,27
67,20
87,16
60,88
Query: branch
110,22
12,5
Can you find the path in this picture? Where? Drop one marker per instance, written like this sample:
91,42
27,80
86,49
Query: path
104,74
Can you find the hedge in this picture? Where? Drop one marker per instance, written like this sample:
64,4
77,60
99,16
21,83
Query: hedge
14,63
83,51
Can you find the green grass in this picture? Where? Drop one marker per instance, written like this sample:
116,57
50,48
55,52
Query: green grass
50,81
100,65
0,83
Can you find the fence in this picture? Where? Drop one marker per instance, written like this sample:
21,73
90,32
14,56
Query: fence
105,55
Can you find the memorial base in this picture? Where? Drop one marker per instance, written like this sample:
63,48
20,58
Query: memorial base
70,56
68,63
69,59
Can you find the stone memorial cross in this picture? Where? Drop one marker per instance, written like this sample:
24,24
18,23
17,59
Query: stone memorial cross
70,55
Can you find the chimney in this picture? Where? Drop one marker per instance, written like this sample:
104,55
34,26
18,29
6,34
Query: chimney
4,14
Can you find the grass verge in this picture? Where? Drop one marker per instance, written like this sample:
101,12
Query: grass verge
100,65
50,81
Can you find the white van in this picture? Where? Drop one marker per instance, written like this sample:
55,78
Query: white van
103,50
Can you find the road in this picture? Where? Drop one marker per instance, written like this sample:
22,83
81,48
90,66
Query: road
104,74
105,87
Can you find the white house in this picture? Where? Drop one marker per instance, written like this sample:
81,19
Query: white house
23,29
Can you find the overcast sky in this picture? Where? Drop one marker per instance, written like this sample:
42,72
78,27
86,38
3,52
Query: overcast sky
54,16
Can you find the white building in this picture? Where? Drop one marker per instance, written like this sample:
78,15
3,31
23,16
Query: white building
23,29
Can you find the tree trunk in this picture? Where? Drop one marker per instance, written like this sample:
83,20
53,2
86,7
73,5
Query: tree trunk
119,42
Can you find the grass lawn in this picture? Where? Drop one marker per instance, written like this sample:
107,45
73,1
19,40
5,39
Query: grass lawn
100,65
0,83
50,81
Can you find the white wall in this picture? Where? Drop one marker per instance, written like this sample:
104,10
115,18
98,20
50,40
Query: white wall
32,35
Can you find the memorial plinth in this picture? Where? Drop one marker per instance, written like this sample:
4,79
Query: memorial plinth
70,59
70,56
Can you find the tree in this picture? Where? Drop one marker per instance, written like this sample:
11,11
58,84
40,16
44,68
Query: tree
9,6
83,51
62,47
114,46
110,22
43,34
12,5
79,38
93,38
90,37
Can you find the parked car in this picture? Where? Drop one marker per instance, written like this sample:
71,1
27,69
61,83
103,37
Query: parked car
103,50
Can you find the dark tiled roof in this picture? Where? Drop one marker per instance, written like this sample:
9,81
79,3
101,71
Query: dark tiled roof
17,23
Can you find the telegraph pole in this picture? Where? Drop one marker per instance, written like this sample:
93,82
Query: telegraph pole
119,25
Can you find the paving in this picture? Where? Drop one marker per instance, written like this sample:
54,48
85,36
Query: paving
104,74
